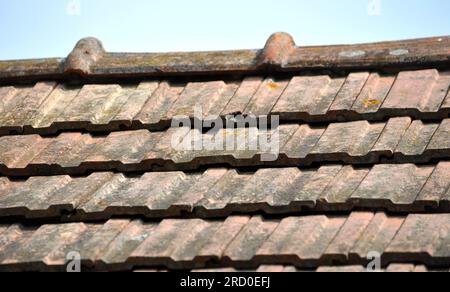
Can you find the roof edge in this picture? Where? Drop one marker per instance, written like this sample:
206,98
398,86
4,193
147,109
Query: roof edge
90,61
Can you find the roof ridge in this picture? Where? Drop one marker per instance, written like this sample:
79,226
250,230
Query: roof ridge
90,61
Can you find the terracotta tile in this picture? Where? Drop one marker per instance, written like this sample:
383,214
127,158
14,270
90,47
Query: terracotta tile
374,93
441,137
416,89
377,236
417,138
430,233
311,94
28,104
90,103
137,101
350,91
266,97
304,237
252,237
243,96
399,184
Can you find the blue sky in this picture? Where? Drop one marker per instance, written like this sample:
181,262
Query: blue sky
50,28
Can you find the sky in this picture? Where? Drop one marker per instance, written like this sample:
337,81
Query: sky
50,28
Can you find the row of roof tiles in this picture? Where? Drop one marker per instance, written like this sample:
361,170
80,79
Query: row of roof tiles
398,140
240,242
393,268
48,107
89,60
222,192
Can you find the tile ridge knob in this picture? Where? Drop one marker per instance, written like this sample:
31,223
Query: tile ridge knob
278,49
85,54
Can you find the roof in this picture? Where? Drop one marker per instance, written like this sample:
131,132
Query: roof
88,163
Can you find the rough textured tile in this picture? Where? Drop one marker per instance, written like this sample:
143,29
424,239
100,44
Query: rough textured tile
229,186
91,104
355,138
344,269
266,97
243,95
18,151
247,243
417,138
160,101
199,94
377,236
415,90
349,234
97,244
430,234
400,184
5,184
309,94
374,93
81,150
224,235
136,102
304,237
401,268
199,190
310,185
446,103
6,94
216,107
171,237
113,105
163,148
64,150
344,184
166,193
302,142
77,191
46,240
34,193
54,106
27,107
12,240
271,269
3,228
273,188
193,242
109,194
12,100
126,147
437,185
135,193
131,237
350,91
284,135
392,134
441,139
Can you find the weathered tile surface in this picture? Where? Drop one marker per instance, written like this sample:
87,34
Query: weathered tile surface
360,142
217,192
49,107
238,242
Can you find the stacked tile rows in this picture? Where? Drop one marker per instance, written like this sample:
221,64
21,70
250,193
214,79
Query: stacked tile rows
48,107
363,167
221,192
242,242
399,140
